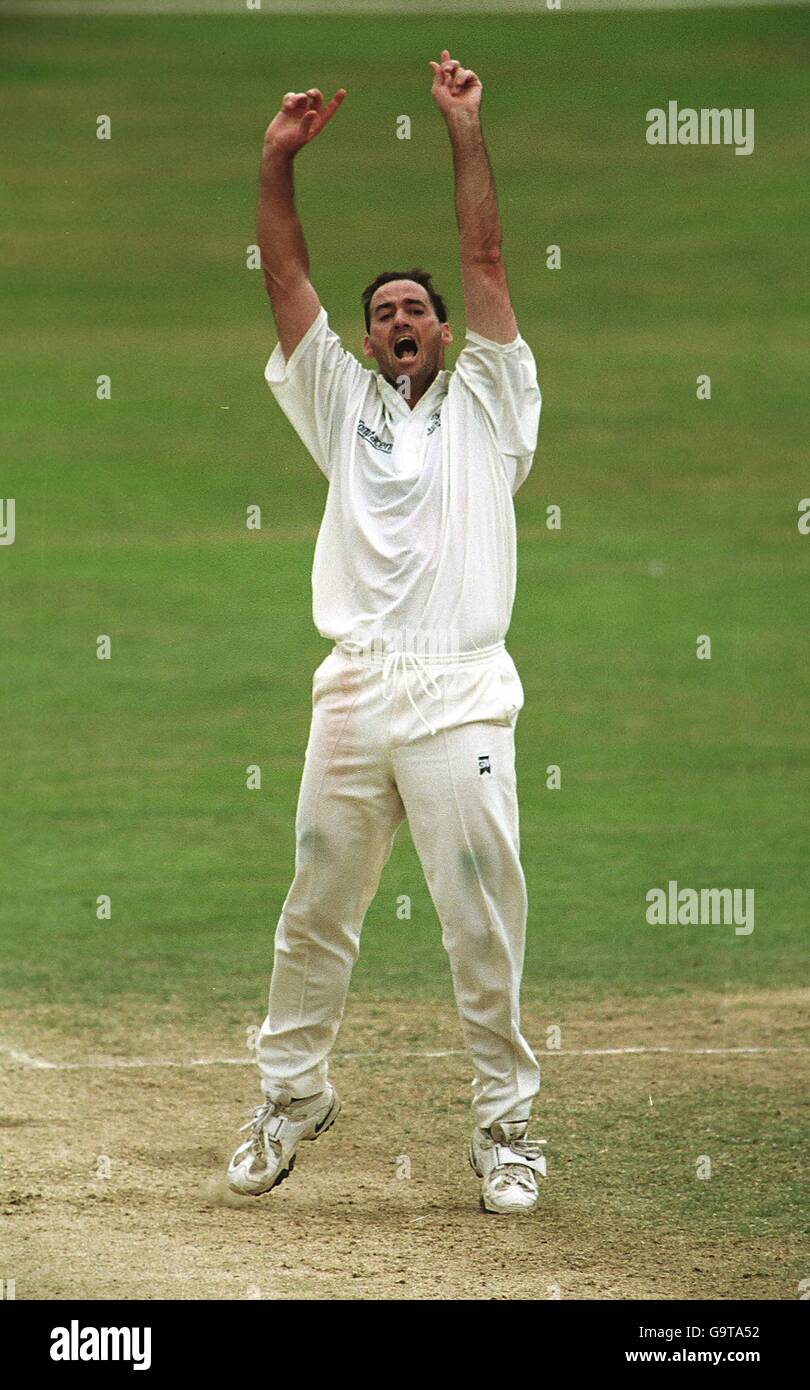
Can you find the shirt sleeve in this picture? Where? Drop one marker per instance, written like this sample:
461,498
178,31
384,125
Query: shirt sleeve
502,377
315,387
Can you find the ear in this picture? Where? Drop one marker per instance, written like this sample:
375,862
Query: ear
447,336
367,348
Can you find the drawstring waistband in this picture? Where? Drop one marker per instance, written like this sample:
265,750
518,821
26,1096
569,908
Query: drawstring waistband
400,662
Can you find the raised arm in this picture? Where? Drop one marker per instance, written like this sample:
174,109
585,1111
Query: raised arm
488,309
285,262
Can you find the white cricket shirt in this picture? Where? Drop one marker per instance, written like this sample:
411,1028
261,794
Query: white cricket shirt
418,535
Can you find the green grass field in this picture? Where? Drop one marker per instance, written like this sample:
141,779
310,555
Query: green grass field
127,257
679,516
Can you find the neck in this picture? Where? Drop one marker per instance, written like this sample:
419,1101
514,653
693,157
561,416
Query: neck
419,387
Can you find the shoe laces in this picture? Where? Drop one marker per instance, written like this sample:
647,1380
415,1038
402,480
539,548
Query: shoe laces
520,1173
260,1141
514,1174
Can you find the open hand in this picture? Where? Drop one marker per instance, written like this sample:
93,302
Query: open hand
303,115
455,88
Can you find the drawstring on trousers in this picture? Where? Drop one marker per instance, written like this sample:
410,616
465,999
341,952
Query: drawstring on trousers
393,663
398,662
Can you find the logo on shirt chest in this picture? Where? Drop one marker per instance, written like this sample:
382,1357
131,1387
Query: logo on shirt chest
385,446
372,438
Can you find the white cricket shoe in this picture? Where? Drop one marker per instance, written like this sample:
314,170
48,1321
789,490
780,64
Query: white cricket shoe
509,1163
277,1127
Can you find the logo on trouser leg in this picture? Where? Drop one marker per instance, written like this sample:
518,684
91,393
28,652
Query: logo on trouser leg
484,765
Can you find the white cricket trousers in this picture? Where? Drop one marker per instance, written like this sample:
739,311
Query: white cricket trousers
371,762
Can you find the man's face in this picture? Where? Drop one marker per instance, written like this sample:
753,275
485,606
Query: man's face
405,336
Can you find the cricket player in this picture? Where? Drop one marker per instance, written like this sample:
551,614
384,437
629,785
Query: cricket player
414,709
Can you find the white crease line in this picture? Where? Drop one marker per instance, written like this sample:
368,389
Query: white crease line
677,1051
24,1059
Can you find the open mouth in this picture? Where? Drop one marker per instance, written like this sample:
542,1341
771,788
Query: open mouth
405,348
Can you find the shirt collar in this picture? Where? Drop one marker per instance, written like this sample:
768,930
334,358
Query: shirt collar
396,403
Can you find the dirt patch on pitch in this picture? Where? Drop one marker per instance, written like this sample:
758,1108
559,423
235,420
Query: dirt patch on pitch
113,1176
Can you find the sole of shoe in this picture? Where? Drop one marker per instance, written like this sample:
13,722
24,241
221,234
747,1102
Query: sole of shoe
326,1123
506,1211
277,1181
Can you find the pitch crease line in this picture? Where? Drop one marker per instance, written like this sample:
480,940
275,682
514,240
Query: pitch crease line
24,1059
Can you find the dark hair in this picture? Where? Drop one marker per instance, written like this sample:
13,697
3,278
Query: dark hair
420,276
